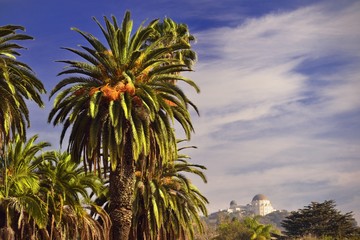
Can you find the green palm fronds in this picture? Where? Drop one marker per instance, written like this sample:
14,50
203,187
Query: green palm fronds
166,204
65,187
126,86
17,84
20,186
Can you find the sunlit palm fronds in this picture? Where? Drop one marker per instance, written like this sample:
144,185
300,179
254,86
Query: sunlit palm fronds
17,84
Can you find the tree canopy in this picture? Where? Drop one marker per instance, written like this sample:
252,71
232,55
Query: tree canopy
320,220
246,228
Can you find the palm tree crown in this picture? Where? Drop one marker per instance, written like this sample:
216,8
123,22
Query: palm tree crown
44,195
20,203
17,83
65,187
123,91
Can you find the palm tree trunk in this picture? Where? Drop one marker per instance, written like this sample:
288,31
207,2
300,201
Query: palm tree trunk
121,196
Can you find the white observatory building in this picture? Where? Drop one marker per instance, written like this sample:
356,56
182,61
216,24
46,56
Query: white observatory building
260,205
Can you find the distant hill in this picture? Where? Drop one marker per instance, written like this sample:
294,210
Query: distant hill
274,218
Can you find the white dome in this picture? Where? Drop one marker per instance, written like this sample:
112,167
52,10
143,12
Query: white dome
259,197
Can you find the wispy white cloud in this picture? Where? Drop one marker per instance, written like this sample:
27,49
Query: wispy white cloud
265,118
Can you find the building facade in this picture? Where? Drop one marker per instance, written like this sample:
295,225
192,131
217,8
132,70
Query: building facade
260,205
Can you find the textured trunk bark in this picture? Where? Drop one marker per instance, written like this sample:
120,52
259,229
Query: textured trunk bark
121,196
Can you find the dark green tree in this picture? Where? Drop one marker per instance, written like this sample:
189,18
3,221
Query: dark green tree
320,220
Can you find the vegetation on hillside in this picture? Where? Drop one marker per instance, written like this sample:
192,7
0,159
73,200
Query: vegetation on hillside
317,221
321,220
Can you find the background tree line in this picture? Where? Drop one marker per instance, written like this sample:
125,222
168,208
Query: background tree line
317,221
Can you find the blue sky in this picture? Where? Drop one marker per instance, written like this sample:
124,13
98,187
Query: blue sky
280,89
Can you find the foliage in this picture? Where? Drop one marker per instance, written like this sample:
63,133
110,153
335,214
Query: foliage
246,228
20,204
122,102
65,186
207,232
274,218
17,84
176,33
40,195
321,220
232,230
311,237
258,231
166,204
123,92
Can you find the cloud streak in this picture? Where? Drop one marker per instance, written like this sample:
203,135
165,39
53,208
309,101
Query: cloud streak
268,114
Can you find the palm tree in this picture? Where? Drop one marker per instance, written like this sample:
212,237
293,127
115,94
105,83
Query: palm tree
258,231
43,195
166,204
177,32
17,83
21,208
65,187
122,105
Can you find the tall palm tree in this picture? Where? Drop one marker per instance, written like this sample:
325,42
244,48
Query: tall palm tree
166,204
21,208
122,105
65,187
17,83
